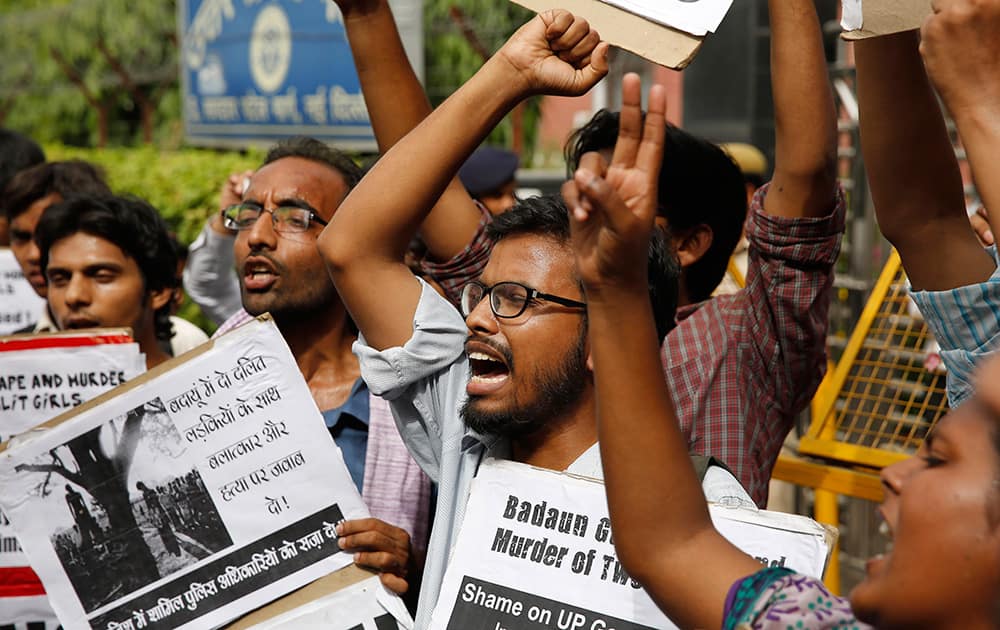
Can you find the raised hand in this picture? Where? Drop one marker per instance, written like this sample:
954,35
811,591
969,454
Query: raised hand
358,8
556,53
613,207
379,546
960,44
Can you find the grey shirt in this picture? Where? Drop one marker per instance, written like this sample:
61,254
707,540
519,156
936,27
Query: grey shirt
424,382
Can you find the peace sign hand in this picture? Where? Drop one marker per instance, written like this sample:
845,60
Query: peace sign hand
613,207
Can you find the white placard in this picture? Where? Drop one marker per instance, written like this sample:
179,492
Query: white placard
185,498
535,551
39,384
697,17
19,304
366,605
852,17
28,613
35,385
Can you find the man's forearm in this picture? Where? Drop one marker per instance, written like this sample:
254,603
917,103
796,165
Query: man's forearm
980,132
393,95
805,119
387,208
401,188
396,104
914,177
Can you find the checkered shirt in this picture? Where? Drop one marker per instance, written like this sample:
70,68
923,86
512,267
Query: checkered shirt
465,266
965,321
740,367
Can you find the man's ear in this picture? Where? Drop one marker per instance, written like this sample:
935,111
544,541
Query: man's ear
693,244
160,297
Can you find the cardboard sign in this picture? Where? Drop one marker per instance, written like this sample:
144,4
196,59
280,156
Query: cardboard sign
43,376
697,17
350,599
660,44
19,304
40,377
187,497
870,18
535,551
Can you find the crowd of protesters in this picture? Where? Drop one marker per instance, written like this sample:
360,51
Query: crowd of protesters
438,320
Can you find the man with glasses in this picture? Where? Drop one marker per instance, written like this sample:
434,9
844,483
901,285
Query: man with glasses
510,380
284,207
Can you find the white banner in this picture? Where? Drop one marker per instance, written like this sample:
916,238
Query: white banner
535,551
365,605
28,613
186,498
697,17
20,306
41,383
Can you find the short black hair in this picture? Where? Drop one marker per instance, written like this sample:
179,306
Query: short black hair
66,179
548,216
698,183
128,222
17,152
312,149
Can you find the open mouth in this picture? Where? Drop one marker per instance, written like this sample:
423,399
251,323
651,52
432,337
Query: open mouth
81,322
486,368
489,369
258,274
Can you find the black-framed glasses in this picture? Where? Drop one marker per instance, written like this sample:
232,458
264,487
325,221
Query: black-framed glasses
242,216
508,299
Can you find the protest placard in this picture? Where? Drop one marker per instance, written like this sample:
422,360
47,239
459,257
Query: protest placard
535,551
862,19
667,32
190,495
20,306
349,599
41,376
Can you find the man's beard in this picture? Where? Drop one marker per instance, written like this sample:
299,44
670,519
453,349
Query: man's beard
559,390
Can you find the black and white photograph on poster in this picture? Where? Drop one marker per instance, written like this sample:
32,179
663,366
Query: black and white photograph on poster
186,497
696,17
535,551
42,376
122,513
364,605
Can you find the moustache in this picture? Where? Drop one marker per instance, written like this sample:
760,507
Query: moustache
501,349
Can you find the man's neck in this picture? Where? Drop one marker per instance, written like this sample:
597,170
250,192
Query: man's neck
561,442
321,344
683,299
150,346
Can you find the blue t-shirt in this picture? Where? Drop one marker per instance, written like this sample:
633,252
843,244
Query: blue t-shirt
348,424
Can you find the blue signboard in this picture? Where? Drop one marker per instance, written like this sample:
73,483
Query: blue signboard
255,71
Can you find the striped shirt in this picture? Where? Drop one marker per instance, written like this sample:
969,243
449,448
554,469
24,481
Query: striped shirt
966,323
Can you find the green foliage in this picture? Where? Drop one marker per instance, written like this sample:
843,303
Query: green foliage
40,99
184,185
451,59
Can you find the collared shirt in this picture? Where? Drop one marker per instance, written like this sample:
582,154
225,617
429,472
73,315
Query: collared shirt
966,323
741,367
348,424
425,380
